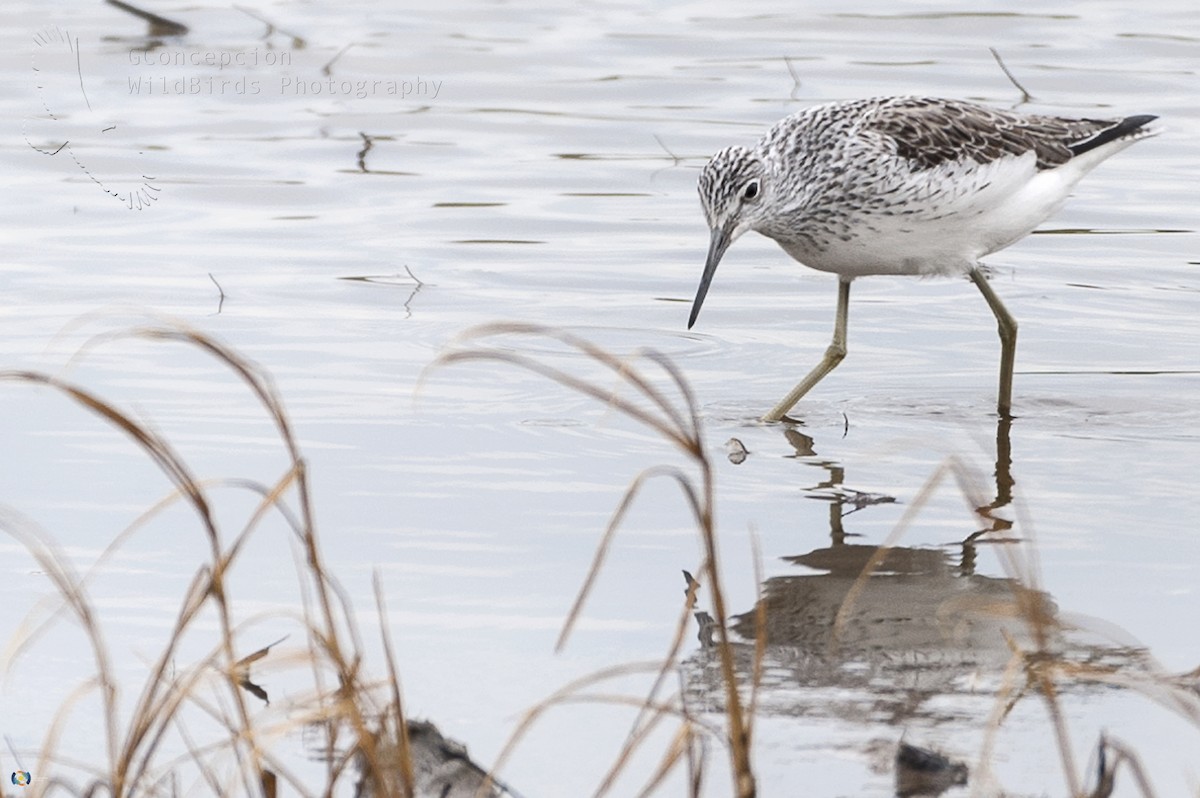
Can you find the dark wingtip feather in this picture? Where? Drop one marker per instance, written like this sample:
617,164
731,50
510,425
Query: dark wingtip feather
1121,129
1134,122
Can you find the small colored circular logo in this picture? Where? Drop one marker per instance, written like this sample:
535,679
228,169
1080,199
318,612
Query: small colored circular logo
20,778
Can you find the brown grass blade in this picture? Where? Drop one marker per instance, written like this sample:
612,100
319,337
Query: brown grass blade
610,532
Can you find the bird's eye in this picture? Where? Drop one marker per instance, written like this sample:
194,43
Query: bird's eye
751,190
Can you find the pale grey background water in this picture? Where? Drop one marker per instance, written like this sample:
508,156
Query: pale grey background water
534,187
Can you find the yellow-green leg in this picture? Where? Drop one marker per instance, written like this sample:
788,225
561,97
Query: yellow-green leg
833,355
1008,341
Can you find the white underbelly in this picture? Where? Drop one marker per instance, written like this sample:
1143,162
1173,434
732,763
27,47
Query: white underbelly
940,229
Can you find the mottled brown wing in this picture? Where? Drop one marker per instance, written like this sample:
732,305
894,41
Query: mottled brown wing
932,132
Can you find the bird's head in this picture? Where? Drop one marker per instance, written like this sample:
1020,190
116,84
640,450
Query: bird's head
732,187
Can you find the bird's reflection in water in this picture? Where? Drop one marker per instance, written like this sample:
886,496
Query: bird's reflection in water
917,631
923,625
907,637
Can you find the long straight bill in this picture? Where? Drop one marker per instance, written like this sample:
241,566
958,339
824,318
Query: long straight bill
716,248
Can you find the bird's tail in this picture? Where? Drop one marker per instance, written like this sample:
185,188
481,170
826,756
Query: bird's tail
1131,127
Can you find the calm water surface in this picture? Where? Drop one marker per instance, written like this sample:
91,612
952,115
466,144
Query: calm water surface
538,164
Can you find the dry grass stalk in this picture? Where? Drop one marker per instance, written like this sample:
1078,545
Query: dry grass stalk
132,748
676,421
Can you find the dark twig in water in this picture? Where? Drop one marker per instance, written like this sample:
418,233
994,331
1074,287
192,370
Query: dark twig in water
387,279
676,160
394,279
159,26
298,42
328,68
221,301
667,150
1025,95
795,77
416,279
368,143
416,290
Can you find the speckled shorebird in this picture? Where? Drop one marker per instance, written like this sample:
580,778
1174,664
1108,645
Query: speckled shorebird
902,185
